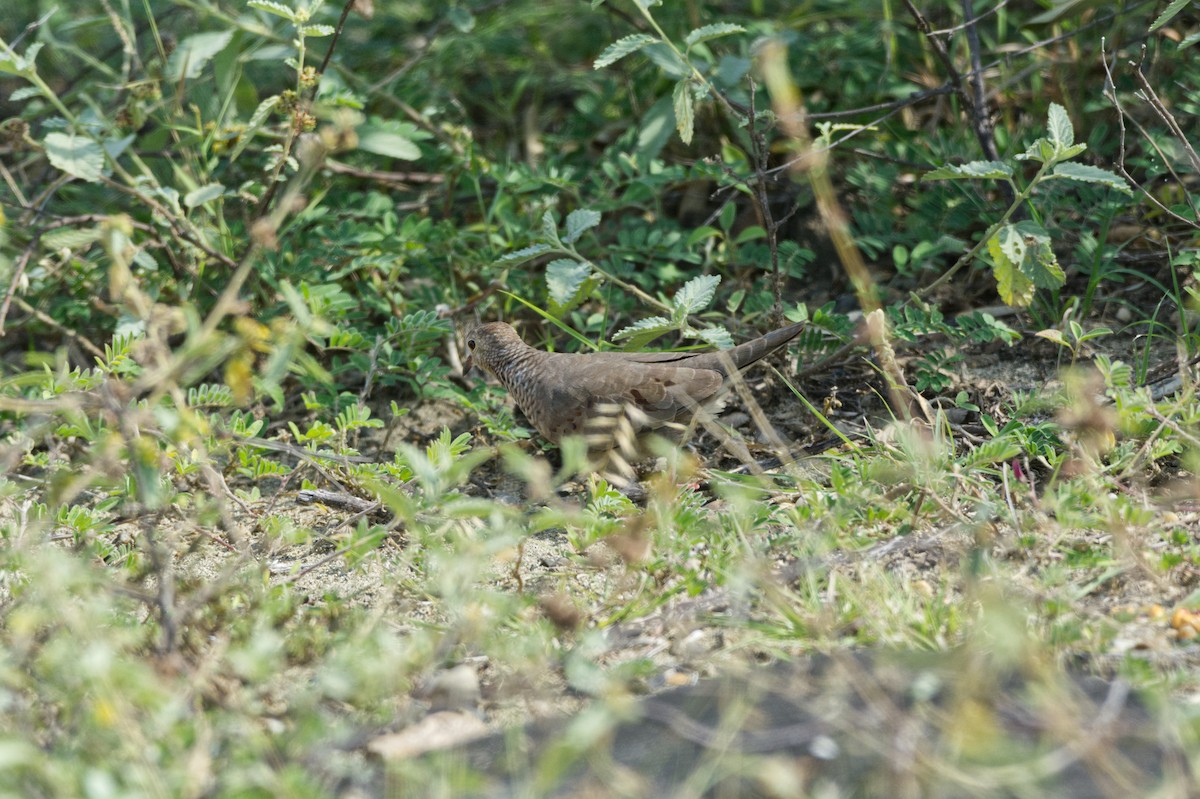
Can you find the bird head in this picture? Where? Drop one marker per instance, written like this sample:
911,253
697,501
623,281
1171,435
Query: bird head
487,344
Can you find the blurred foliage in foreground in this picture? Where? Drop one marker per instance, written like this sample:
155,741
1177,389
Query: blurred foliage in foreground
236,238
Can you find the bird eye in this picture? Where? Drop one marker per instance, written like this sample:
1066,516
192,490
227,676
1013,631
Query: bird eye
471,344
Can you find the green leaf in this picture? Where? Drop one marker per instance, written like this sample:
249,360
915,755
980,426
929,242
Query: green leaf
524,254
1037,151
462,19
550,228
1014,287
971,171
1041,265
1062,133
76,155
579,222
1011,243
13,64
1043,150
1032,231
668,60
1055,335
623,47
113,148
193,54
70,238
702,234
713,31
1117,373
387,143
564,278
654,130
696,294
1071,152
278,9
717,336
1169,13
1091,174
20,754
684,111
992,452
254,125
203,194
735,300
317,30
752,233
1060,10
644,331
1025,249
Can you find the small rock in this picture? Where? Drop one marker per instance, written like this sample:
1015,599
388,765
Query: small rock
695,644
454,689
436,731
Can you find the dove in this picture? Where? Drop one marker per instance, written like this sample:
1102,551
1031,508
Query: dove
562,393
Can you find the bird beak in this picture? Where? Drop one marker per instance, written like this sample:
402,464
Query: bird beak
468,364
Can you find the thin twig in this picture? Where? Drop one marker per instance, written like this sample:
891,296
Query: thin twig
1111,93
54,324
337,34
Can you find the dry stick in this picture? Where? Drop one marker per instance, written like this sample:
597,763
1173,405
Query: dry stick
38,203
128,50
969,255
975,101
165,596
337,34
381,176
893,109
54,324
943,55
979,112
896,106
970,21
890,106
183,235
761,154
283,486
756,413
790,111
1086,735
1111,93
175,223
11,182
1165,115
372,371
426,39
66,221
303,104
284,154
18,273
211,536
948,88
332,556
212,588
814,164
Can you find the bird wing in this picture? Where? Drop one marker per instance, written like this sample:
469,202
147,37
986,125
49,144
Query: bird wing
743,355
602,387
740,356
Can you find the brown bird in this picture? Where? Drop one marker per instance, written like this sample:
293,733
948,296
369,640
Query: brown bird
562,393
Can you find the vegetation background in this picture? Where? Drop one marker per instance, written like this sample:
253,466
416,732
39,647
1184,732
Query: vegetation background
238,241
